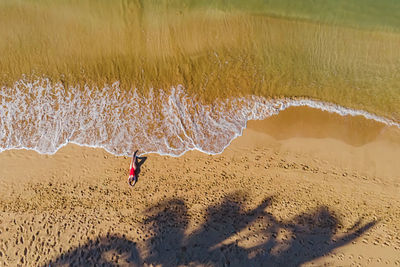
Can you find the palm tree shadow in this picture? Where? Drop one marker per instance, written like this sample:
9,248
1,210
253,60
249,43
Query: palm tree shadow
168,221
110,250
219,238
308,235
311,235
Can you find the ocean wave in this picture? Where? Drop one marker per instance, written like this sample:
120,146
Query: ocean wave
44,116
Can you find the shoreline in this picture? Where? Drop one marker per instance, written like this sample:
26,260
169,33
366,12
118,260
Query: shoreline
47,138
310,193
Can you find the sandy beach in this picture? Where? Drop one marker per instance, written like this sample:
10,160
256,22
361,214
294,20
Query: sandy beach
305,187
268,133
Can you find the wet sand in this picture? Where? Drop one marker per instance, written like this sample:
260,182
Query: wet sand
305,187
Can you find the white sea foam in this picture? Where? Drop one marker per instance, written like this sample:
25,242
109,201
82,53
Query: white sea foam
44,116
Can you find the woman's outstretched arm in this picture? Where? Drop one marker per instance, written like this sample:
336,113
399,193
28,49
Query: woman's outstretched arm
133,161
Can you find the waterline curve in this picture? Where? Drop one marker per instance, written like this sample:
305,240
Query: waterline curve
44,116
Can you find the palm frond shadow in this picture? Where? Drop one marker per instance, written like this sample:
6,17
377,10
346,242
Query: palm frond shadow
110,250
305,237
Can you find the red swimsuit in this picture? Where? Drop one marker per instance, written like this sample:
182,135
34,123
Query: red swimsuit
132,172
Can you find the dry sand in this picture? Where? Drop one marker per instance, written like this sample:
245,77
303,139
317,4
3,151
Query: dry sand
302,188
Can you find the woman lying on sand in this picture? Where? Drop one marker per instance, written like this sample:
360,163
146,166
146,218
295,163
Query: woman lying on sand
132,173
